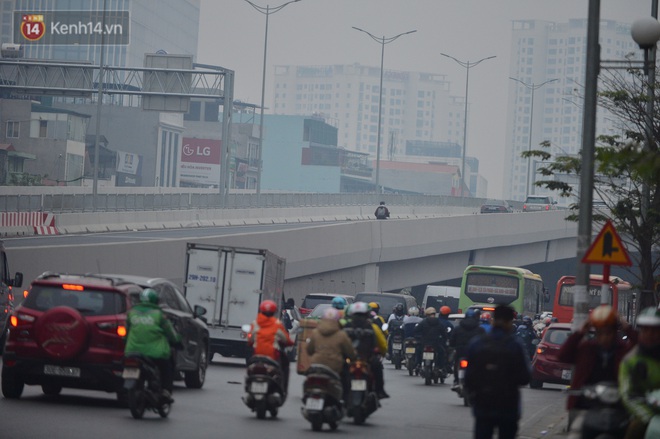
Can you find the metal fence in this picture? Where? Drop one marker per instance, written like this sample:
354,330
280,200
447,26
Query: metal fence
36,200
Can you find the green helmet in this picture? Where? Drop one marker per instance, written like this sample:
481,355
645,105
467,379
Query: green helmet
149,295
649,317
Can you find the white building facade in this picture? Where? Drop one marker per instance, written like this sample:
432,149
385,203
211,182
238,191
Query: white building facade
550,59
415,106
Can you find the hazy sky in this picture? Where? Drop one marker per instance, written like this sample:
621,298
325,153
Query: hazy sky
318,32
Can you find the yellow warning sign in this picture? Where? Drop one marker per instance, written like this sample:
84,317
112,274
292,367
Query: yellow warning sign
607,248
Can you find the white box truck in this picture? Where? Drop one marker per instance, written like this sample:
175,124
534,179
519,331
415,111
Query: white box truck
231,282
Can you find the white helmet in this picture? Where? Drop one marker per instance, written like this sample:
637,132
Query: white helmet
413,311
358,308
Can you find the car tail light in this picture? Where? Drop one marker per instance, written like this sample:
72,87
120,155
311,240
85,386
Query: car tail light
113,327
13,321
463,364
547,207
11,297
305,311
25,294
21,318
73,287
541,349
524,207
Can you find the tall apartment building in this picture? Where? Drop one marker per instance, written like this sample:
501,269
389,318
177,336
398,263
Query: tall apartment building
542,51
416,106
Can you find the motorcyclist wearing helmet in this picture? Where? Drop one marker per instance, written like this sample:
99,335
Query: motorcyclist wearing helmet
339,303
460,338
410,321
151,334
526,334
395,324
377,318
486,321
639,373
269,337
371,348
432,332
596,358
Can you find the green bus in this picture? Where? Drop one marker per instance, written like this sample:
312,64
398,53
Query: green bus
489,286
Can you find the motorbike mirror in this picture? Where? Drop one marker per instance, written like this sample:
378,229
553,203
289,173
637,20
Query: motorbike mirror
384,327
245,328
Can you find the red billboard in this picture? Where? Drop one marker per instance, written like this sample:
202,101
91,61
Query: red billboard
200,162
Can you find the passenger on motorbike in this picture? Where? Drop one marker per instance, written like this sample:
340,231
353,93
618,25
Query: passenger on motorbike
640,373
359,317
377,318
150,334
410,321
444,317
486,321
330,346
596,358
433,332
460,338
269,337
526,334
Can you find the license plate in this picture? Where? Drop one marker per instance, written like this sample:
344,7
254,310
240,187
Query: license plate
49,369
314,404
566,374
410,350
131,373
396,346
461,373
359,385
258,387
428,355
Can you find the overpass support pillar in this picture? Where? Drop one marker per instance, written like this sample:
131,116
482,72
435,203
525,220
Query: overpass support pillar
371,274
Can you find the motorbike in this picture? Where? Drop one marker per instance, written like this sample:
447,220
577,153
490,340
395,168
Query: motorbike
396,345
144,391
606,418
322,397
460,387
264,389
430,371
362,399
410,344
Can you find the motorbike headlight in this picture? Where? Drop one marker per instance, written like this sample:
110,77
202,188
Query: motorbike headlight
607,394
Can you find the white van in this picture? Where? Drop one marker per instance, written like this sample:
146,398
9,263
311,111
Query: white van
441,295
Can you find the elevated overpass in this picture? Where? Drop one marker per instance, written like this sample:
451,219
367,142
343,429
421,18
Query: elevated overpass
351,254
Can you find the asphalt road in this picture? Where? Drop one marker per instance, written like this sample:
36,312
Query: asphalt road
414,410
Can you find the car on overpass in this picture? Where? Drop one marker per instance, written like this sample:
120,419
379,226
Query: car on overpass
539,203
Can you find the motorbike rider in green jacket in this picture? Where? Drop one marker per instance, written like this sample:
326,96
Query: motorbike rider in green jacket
150,334
639,373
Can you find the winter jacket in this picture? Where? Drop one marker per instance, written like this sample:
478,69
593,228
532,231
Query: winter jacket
267,336
497,366
585,354
149,332
635,383
432,332
374,340
409,324
460,338
330,346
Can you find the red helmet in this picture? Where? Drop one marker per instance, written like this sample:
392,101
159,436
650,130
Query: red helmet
445,310
268,307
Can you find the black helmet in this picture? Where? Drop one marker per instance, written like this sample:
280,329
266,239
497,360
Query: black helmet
398,309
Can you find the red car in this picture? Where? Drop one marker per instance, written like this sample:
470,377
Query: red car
546,368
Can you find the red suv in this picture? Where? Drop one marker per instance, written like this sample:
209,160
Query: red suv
68,332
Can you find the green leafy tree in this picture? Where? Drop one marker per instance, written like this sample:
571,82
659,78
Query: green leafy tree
626,173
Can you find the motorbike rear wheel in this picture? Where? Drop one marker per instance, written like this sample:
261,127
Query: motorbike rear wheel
317,423
358,416
261,409
136,402
164,409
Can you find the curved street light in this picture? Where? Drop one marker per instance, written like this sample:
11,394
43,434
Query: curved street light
533,88
382,41
467,65
267,11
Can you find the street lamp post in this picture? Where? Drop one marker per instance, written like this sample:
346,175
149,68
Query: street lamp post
467,65
533,88
267,11
382,41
